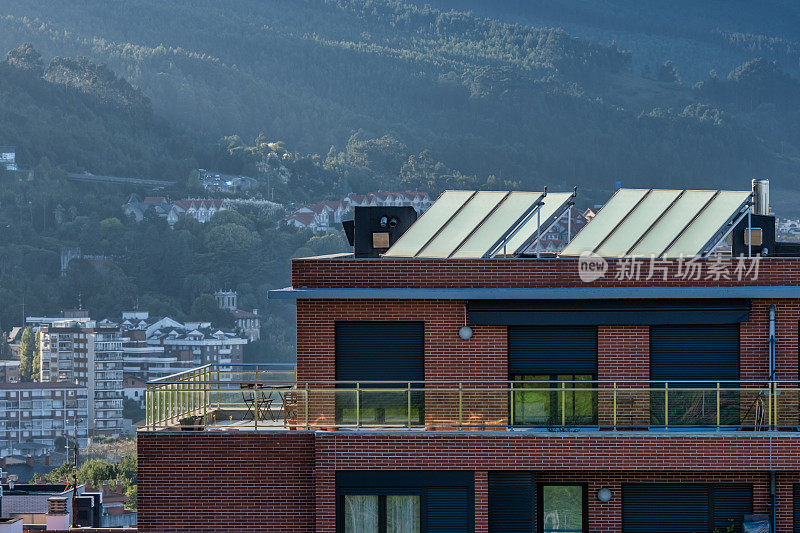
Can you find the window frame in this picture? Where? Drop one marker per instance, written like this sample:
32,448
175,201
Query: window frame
382,493
540,503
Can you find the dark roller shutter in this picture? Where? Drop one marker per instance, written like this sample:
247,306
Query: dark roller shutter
511,508
552,350
730,501
380,351
695,352
450,509
626,312
796,506
664,508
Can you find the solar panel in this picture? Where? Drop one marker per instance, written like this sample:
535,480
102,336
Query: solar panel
473,224
722,209
429,224
606,220
554,205
490,233
647,212
658,223
462,224
657,239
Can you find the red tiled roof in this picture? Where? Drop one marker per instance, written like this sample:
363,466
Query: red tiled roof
154,200
303,218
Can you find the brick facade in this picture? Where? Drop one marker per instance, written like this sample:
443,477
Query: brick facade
278,481
285,481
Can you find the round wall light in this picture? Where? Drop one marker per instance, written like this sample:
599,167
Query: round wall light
465,333
604,495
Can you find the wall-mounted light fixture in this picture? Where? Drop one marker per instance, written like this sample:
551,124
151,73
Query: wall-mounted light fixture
465,332
604,495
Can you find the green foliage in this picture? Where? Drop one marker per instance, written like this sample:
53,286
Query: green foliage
98,471
28,355
204,308
132,411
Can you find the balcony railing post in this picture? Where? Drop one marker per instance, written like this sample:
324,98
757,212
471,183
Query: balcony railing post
615,406
306,405
666,405
409,404
460,402
512,403
256,400
358,405
219,386
563,404
718,415
773,420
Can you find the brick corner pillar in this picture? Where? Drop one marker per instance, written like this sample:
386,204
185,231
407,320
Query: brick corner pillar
623,353
481,501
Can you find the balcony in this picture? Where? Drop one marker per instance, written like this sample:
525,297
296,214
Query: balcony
268,397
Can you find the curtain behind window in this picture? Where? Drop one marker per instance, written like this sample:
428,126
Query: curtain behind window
402,514
361,514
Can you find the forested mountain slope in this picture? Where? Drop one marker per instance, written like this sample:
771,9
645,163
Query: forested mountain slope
486,97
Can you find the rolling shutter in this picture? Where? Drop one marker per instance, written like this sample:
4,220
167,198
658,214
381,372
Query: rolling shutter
694,352
684,508
625,312
552,350
511,502
796,506
730,501
380,351
450,509
664,508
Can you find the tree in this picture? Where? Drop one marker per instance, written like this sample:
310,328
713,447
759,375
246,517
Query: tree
26,57
668,73
205,309
27,355
5,349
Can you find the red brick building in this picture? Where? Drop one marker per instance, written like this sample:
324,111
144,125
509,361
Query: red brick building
498,395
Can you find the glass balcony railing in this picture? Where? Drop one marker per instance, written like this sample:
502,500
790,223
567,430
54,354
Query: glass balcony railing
217,397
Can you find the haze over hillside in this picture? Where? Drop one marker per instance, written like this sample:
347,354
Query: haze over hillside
538,106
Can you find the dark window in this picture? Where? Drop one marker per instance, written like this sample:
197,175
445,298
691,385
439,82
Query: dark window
562,508
435,501
684,507
379,352
511,502
796,507
537,354
699,356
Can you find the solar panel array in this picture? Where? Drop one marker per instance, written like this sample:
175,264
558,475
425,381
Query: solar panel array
474,224
659,223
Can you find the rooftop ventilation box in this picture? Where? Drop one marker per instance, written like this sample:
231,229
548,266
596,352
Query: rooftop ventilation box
376,229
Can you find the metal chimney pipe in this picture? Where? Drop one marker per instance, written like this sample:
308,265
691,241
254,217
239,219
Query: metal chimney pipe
761,196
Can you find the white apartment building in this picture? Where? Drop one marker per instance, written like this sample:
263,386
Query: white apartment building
81,351
41,413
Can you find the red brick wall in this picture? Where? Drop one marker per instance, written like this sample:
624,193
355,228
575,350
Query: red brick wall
447,357
623,353
281,481
464,273
225,481
602,460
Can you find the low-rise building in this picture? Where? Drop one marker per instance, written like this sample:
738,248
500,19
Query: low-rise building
39,413
9,371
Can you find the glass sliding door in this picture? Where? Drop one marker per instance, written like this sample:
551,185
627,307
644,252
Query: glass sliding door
403,514
562,508
540,402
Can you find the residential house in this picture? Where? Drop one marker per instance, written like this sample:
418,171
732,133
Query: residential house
451,390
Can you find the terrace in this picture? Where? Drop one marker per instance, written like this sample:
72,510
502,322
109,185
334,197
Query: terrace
269,397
